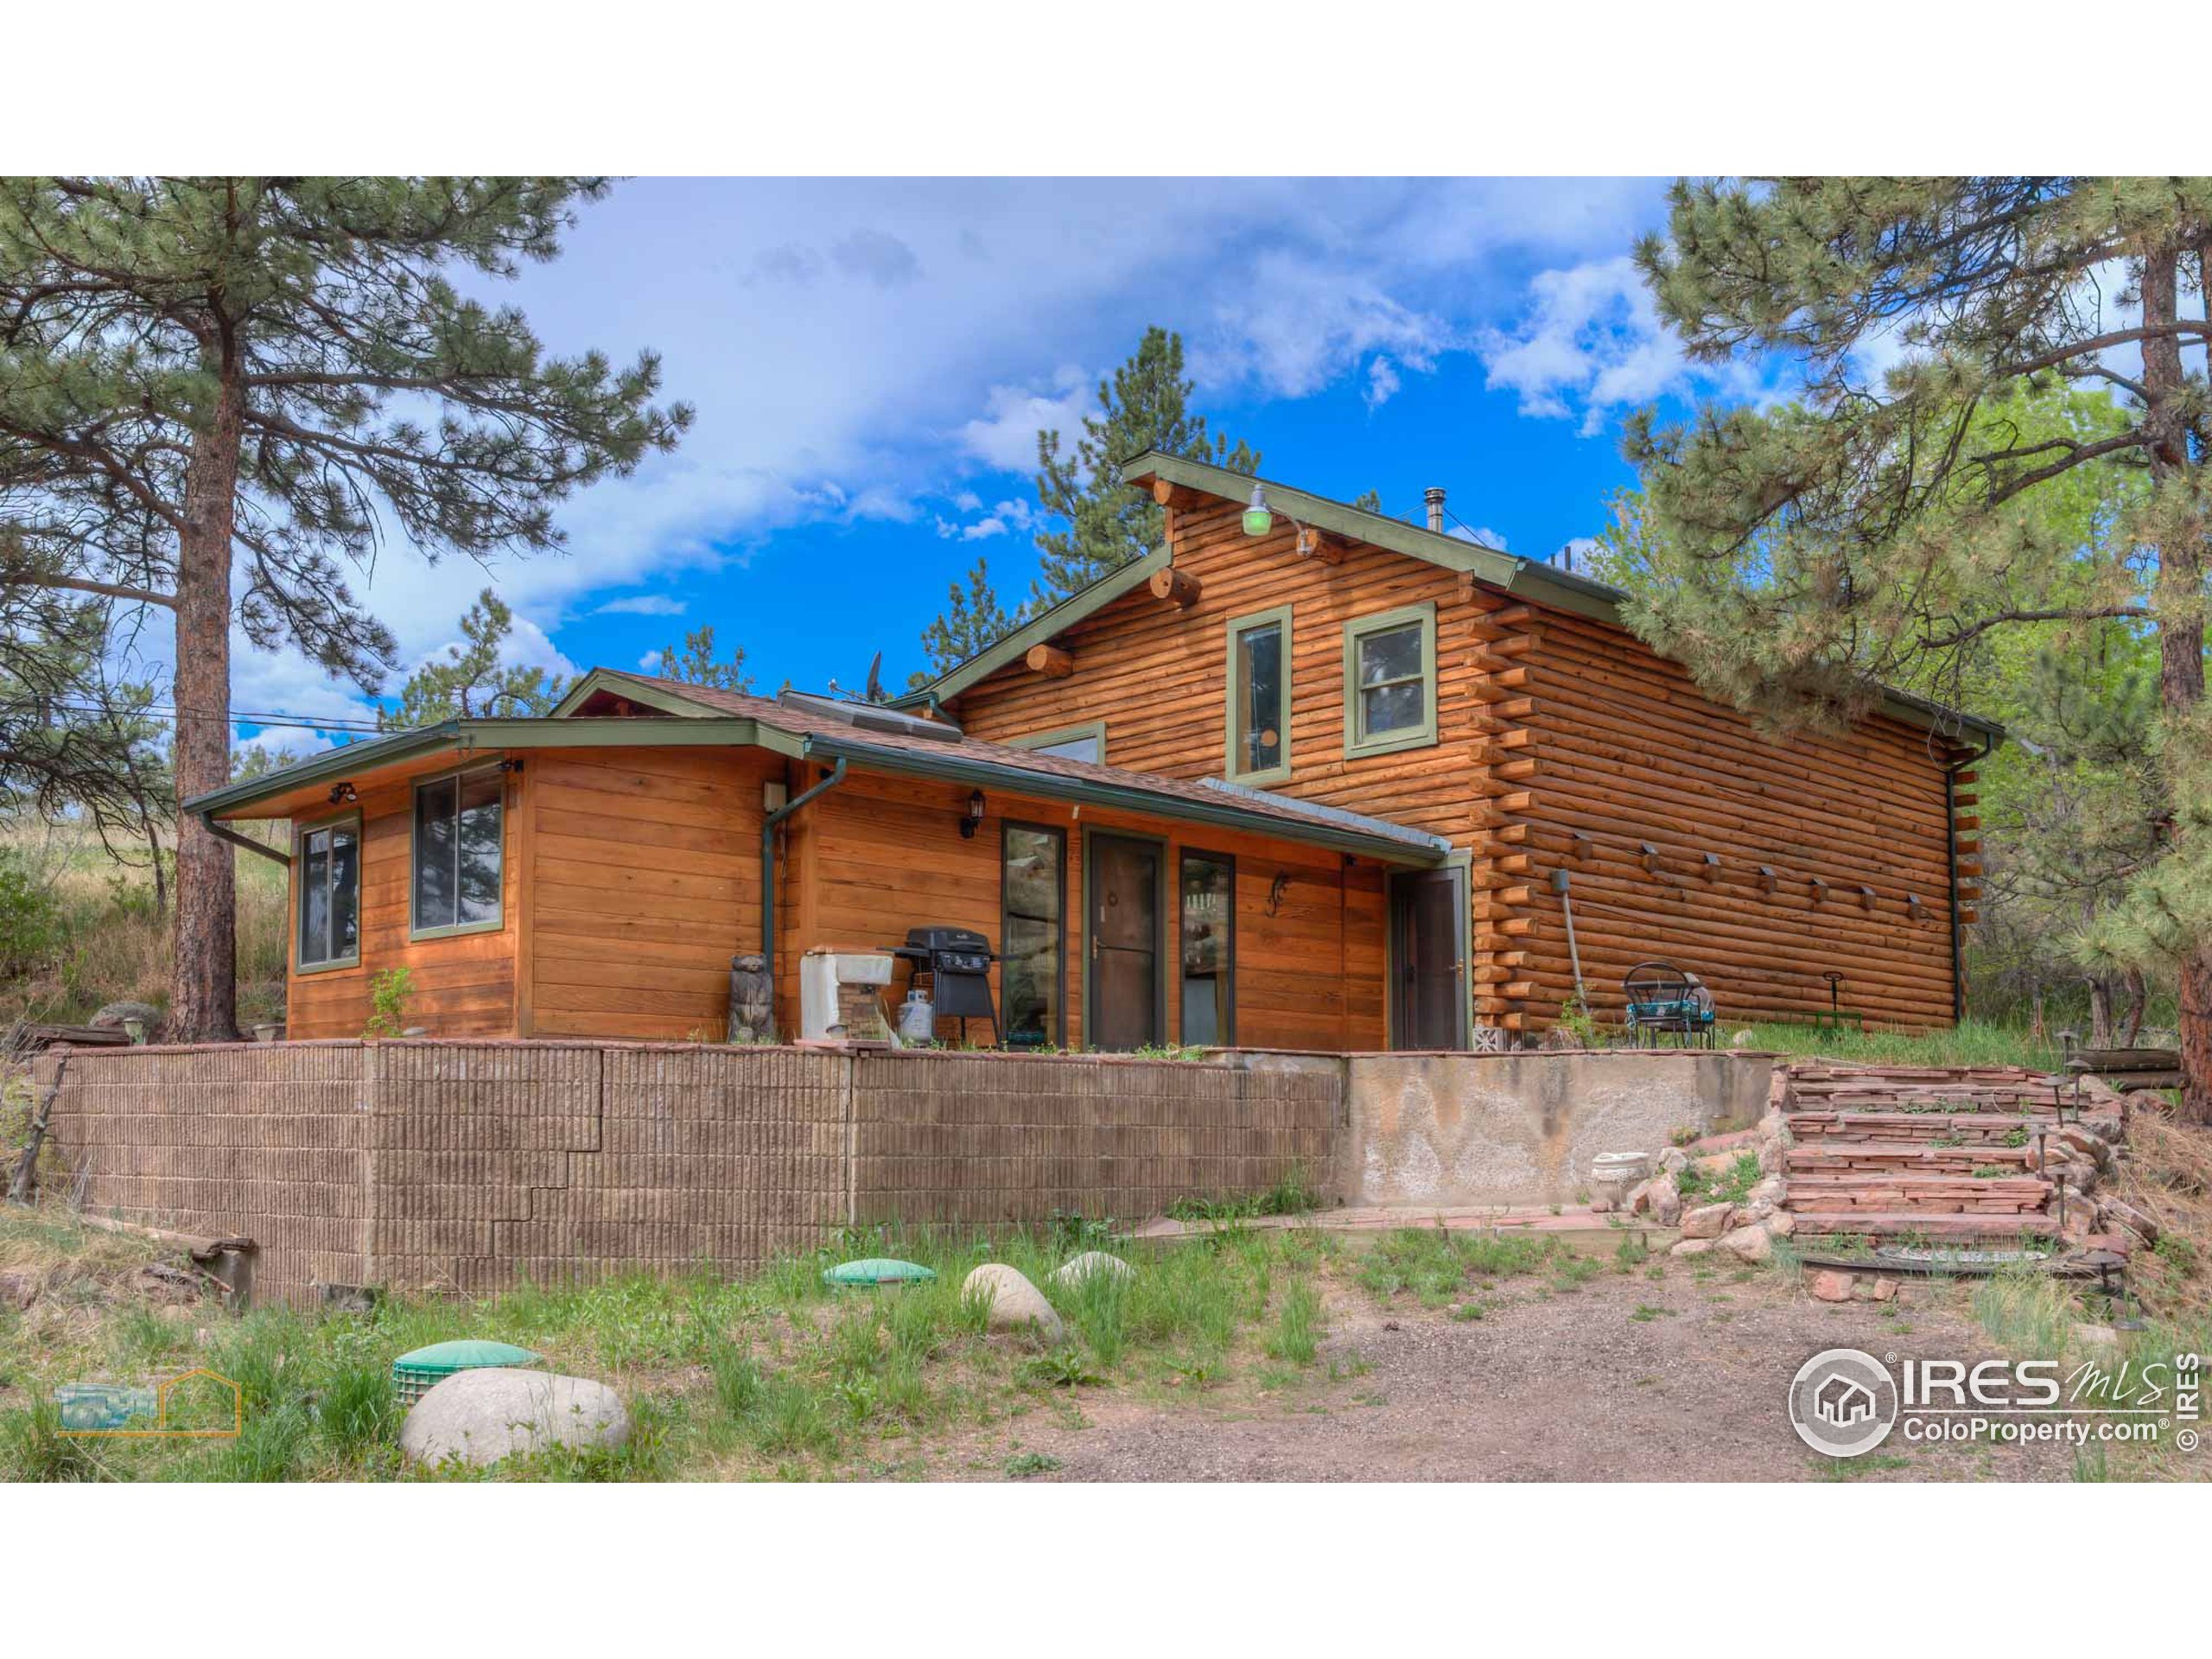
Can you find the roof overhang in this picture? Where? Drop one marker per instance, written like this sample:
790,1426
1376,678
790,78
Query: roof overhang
1529,579
290,791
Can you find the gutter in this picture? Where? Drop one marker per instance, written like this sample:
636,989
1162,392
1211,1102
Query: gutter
223,832
1989,741
768,874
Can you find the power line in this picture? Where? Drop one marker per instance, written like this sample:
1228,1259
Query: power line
303,722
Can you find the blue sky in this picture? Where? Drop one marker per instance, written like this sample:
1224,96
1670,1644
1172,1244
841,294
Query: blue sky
870,361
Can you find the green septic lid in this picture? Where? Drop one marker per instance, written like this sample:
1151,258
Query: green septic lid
877,1270
468,1354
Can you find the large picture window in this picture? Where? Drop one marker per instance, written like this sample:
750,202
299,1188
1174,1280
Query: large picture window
458,854
1208,906
1390,681
328,860
1259,698
1032,968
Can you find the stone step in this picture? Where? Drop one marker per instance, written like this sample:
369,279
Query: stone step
1813,1223
1975,1127
1879,1157
1928,1194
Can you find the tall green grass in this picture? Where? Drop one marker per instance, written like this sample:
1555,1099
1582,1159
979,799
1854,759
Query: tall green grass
1972,1042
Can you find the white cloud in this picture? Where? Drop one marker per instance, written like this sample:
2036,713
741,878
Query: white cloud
1382,383
1484,535
1005,435
651,662
1593,337
641,605
1007,519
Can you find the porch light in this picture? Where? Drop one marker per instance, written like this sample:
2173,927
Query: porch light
975,816
343,794
1258,519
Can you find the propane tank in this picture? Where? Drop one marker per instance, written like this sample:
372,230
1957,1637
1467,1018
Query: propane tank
917,1018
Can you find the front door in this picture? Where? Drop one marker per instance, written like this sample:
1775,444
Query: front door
1428,985
1125,1000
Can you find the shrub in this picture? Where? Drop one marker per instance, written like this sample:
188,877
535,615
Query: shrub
389,995
29,929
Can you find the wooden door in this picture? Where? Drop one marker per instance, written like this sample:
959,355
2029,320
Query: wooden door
1429,990
1126,989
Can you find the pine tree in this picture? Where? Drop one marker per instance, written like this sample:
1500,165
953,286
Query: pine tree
1871,532
973,621
467,684
1145,406
696,664
204,376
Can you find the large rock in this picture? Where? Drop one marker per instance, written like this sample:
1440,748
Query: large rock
113,1016
483,1415
1091,1261
1014,1303
1753,1244
1829,1286
1707,1221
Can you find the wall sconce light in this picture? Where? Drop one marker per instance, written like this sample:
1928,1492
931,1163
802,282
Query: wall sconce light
343,794
1275,890
1260,518
975,815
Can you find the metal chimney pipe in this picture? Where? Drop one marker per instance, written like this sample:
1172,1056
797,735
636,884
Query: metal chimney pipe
1434,496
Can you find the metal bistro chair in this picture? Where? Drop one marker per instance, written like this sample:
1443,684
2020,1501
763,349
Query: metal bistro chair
1662,998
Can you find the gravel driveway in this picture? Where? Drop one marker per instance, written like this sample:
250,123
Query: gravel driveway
1570,1387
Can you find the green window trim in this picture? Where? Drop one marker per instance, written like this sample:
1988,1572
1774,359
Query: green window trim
1092,728
1279,617
452,930
301,832
1421,736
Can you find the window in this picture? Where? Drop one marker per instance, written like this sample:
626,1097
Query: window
457,853
1084,742
1259,698
1208,891
1390,681
328,860
1032,975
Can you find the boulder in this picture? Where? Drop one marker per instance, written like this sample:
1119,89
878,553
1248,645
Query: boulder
1829,1286
113,1016
1688,1247
1885,1290
1782,1223
1674,1158
1658,1197
1092,1261
2118,1212
1014,1303
2096,1336
1749,1244
1708,1220
480,1416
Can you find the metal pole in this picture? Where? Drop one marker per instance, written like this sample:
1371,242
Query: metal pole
1574,952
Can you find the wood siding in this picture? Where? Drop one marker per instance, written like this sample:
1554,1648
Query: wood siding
1548,725
464,985
878,856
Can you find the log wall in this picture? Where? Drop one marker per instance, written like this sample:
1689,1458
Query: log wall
1562,742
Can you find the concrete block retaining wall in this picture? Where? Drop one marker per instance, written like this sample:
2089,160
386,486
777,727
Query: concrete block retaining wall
474,1165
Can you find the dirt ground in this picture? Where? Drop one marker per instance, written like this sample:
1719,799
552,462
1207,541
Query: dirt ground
1573,1387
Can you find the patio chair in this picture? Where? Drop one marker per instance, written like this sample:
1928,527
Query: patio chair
1663,998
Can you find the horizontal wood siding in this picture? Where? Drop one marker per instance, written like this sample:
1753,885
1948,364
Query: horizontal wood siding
464,985
878,856
645,880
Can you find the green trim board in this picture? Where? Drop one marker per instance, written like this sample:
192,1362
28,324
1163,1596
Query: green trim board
1059,619
1422,734
1539,583
1279,617
297,895
1095,729
668,701
1460,867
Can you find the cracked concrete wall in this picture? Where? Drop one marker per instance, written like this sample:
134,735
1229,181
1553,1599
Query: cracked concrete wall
1522,1129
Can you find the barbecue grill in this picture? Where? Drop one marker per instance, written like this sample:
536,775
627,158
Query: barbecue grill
958,961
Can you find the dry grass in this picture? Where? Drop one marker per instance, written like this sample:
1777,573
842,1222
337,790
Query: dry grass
2167,1173
107,944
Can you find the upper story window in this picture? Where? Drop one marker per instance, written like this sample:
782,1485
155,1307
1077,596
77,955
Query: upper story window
1259,698
1084,742
458,854
1390,681
328,860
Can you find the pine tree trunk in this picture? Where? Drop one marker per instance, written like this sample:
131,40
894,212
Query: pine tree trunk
203,983
2100,1015
2181,642
2138,993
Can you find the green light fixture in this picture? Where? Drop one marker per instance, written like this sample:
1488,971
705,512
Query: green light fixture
1258,520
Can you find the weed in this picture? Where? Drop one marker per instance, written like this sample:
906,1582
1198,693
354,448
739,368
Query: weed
1467,1310
1294,1337
1645,1313
390,993
1023,1464
1065,1367
1631,1253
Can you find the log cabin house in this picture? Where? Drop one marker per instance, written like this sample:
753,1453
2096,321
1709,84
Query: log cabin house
1304,777
1286,642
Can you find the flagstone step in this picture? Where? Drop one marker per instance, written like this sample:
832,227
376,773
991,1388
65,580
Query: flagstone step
1875,1223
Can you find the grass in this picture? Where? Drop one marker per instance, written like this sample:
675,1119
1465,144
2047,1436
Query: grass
103,941
1434,1263
1699,1186
771,1375
1972,1042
